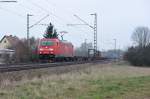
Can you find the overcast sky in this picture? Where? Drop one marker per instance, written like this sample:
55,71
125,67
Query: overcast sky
116,19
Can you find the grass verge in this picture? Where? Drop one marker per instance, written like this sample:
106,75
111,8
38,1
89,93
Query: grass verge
98,82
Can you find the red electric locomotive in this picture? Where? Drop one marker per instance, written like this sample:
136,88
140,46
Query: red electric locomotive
55,49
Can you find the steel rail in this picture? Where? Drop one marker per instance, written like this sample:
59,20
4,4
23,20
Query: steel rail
12,68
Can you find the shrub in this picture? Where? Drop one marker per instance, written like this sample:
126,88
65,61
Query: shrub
139,56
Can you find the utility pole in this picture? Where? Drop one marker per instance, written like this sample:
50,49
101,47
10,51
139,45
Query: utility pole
28,29
85,47
93,27
85,41
115,44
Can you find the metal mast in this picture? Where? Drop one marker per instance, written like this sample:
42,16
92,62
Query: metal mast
28,29
95,33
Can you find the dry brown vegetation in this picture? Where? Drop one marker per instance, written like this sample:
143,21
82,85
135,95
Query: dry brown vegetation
89,81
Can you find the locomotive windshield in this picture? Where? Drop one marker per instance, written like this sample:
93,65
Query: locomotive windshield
47,43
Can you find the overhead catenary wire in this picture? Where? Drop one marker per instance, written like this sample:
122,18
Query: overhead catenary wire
25,7
55,5
40,9
38,6
39,21
48,12
68,12
13,12
43,9
64,21
31,10
8,1
58,18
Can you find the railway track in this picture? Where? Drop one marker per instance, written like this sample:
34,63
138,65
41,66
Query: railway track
20,67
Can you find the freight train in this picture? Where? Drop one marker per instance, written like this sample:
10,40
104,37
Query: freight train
58,50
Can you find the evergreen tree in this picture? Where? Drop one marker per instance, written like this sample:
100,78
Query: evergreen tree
50,32
55,35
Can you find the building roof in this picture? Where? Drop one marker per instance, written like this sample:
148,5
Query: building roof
13,40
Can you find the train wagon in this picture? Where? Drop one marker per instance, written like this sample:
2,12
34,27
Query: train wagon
55,49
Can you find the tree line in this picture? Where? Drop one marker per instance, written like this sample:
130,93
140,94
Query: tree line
139,54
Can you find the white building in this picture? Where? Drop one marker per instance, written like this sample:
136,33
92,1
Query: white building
6,55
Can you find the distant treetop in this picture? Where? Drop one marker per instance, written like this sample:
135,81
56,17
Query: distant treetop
50,32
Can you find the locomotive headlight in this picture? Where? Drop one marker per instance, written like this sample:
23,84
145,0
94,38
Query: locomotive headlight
51,49
41,49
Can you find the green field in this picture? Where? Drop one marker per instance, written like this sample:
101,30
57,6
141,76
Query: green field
106,81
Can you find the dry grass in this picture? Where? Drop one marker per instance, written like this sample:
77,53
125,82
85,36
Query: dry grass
90,81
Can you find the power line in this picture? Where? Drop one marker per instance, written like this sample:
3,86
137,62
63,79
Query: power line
48,12
85,23
54,5
30,8
39,7
50,3
58,17
69,13
12,12
10,1
66,10
45,10
25,7
39,21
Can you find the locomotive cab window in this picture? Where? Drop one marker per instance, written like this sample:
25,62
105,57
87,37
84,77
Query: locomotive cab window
47,43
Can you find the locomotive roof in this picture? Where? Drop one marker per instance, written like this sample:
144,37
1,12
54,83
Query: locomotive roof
55,39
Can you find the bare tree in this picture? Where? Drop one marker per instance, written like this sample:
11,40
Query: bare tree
141,36
23,53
